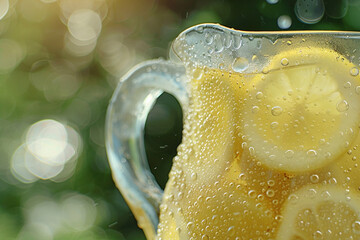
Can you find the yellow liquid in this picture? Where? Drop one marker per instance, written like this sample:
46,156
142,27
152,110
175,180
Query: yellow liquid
222,187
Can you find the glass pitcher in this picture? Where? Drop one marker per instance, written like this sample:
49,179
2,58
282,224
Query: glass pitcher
270,146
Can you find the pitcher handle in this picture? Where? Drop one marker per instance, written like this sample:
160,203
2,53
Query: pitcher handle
125,120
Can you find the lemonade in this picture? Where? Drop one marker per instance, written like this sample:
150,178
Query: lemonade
269,155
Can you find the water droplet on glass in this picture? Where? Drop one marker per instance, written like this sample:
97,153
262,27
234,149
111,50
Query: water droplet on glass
193,176
347,85
311,153
270,193
199,29
271,183
284,62
356,227
354,71
293,198
218,41
274,125
252,193
231,231
309,11
289,153
342,106
240,64
314,178
255,109
318,235
190,225
251,151
205,237
284,22
260,95
237,40
208,38
276,111
272,1
357,89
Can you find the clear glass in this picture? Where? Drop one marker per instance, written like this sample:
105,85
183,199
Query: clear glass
270,140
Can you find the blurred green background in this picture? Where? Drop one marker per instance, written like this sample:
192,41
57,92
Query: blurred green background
60,61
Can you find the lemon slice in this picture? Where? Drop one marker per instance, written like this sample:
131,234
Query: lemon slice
302,114
320,212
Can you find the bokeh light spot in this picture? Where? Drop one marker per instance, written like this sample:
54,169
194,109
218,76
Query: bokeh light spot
79,212
84,25
50,148
284,22
11,55
33,10
18,167
309,11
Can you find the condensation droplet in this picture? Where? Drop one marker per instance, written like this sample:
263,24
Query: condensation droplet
342,106
293,198
237,40
252,151
240,64
356,227
289,153
193,176
347,85
284,22
284,62
204,237
274,125
255,109
209,38
270,193
231,231
252,193
218,41
311,153
318,235
190,225
260,95
276,111
354,71
314,178
271,183
309,11
357,89
215,219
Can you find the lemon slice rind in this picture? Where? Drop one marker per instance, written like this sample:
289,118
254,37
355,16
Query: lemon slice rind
310,198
